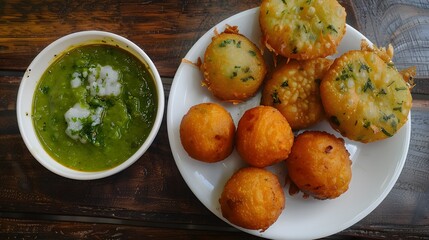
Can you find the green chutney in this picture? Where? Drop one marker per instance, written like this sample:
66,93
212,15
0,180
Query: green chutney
94,107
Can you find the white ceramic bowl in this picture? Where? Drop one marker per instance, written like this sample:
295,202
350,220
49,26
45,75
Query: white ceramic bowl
30,81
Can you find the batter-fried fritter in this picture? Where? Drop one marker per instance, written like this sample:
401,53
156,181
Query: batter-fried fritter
207,132
319,165
294,90
302,29
263,136
233,67
252,198
365,98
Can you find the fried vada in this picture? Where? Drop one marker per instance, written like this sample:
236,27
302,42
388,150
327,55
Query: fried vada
294,90
302,29
233,67
252,198
365,97
319,165
207,132
263,136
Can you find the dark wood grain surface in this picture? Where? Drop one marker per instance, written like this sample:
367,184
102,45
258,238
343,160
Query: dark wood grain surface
150,199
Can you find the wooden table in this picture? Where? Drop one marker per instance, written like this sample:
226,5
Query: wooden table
150,199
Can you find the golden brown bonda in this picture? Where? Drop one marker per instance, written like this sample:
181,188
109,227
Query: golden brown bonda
207,132
319,165
263,136
252,198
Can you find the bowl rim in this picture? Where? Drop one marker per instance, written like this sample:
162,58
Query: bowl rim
32,75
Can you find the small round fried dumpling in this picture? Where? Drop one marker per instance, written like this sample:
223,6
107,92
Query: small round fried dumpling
320,165
294,90
263,136
233,66
252,198
302,29
365,98
207,132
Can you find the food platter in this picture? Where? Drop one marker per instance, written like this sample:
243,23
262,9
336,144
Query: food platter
376,166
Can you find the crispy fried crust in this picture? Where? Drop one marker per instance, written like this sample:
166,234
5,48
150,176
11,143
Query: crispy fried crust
207,132
302,29
294,90
365,98
319,165
233,67
263,136
252,198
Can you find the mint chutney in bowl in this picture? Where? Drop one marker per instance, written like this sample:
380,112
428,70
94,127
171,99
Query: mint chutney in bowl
89,105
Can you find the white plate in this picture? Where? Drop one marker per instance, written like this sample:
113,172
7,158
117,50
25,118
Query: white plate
376,166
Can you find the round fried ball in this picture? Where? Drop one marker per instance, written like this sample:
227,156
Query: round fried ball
302,29
207,132
252,198
319,165
294,90
233,66
263,136
365,98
